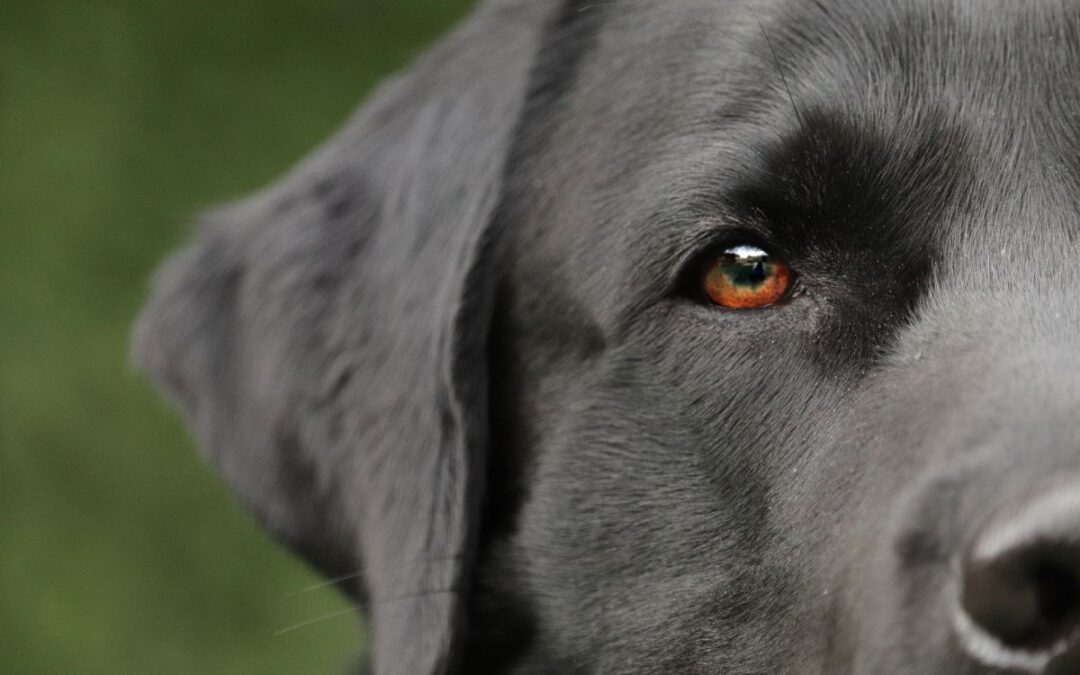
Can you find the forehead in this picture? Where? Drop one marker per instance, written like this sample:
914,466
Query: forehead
1007,65
672,104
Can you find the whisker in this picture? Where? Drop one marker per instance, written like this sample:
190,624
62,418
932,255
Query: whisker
780,70
323,584
367,605
354,575
325,617
410,596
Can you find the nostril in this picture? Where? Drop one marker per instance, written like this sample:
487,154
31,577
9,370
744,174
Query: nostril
1057,590
1028,598
1021,576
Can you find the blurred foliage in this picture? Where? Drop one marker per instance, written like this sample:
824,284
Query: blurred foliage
120,552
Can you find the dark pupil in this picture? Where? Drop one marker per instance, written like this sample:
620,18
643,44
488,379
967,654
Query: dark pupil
751,273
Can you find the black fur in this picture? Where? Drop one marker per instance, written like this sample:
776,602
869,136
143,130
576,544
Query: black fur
463,348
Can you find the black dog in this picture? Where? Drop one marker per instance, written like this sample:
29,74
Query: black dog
694,336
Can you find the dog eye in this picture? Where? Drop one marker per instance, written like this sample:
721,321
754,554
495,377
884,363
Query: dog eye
747,277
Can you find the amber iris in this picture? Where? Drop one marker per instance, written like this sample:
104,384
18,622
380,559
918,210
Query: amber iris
746,277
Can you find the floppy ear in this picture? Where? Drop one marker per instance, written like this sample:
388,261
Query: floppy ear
325,338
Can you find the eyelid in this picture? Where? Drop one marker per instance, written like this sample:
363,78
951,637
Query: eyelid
707,239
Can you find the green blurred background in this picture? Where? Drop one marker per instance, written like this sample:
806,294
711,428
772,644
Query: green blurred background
120,552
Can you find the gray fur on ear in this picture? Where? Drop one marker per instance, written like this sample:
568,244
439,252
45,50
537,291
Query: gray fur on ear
325,337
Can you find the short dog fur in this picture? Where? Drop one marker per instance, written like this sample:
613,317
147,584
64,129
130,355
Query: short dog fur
460,352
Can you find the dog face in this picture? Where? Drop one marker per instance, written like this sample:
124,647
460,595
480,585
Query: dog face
479,347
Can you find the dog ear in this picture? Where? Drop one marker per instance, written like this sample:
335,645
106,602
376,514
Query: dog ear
325,338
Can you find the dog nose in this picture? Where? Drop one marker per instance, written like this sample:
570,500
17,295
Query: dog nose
1021,575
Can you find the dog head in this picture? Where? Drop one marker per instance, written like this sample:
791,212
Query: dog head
682,337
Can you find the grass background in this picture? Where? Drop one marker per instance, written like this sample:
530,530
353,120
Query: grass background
119,119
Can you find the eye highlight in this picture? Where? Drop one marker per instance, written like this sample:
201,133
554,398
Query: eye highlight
747,277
